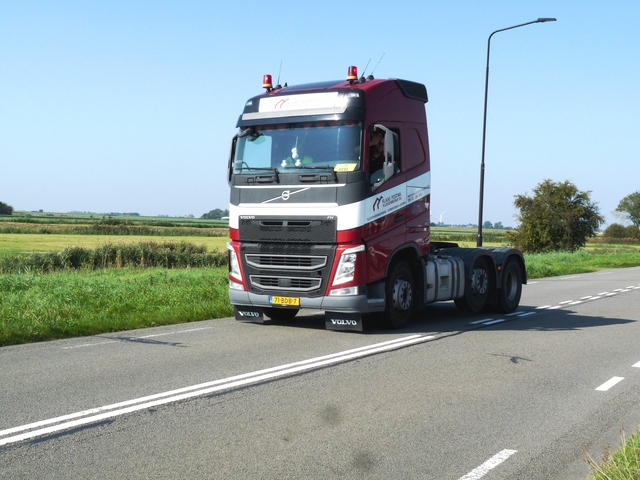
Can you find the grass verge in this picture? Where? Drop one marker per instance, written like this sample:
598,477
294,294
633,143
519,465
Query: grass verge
36,307
624,464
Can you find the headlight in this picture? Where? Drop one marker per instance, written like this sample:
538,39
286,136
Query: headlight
234,265
347,265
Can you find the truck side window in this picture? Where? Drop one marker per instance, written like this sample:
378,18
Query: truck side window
376,151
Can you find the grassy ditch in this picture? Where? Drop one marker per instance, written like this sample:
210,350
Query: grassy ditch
142,254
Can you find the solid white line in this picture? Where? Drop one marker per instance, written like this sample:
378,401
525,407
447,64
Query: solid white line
490,464
609,383
203,389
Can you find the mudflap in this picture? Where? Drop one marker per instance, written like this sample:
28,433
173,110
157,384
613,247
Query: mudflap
248,314
343,321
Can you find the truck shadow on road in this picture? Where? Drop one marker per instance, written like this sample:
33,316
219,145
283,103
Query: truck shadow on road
446,318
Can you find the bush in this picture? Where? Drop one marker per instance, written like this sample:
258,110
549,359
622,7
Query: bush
617,231
5,209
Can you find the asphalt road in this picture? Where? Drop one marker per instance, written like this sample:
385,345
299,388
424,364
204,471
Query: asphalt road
453,396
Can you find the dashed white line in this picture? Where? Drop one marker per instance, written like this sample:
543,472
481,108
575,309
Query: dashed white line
84,345
493,322
609,383
490,464
477,322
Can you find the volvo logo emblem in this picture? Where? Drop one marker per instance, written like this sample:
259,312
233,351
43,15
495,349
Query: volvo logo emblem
285,195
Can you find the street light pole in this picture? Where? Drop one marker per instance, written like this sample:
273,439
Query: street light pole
484,123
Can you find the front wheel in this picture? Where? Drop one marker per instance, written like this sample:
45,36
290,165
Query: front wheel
399,295
477,288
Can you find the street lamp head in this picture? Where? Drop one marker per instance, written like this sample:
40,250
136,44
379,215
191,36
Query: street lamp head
542,20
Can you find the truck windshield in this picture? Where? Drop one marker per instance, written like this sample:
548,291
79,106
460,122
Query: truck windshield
332,145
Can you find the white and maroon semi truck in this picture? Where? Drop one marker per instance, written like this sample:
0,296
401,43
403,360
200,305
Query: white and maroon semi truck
330,193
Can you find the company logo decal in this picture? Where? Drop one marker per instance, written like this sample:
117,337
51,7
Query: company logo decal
248,314
340,321
285,195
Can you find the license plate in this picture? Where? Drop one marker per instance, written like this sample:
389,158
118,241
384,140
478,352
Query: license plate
293,301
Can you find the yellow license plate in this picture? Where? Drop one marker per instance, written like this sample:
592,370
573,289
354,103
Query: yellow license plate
292,301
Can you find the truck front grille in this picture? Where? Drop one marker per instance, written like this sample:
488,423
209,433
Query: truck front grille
289,262
296,284
274,268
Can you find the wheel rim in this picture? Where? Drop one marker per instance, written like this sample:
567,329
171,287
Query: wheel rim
480,283
402,295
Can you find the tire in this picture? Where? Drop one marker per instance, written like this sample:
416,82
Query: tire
477,288
510,287
281,314
400,296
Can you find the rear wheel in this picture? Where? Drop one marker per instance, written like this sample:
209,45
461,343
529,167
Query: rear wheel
510,287
400,296
282,314
477,288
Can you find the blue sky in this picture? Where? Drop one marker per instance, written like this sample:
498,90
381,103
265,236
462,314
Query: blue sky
115,106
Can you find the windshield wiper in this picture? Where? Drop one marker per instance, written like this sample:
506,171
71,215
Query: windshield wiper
319,167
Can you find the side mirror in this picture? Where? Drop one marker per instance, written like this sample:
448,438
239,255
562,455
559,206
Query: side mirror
231,158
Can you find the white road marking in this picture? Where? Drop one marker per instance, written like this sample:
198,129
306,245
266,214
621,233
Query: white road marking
526,314
609,383
480,321
142,403
576,302
586,298
542,307
637,365
84,345
490,464
565,302
493,322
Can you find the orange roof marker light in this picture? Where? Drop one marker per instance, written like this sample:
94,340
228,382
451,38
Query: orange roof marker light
267,82
352,74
